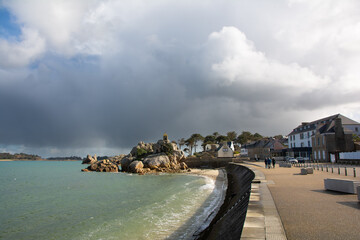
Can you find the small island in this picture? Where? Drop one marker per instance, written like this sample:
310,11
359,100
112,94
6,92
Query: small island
162,156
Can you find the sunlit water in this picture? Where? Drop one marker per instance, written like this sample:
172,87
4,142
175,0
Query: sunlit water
54,200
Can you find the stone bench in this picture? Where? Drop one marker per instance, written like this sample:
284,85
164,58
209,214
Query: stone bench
341,185
308,170
285,164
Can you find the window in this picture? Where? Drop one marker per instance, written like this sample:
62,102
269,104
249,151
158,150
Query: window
318,141
309,145
301,135
302,144
315,155
356,129
225,149
308,134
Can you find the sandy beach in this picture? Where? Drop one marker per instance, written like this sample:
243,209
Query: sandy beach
215,174
6,160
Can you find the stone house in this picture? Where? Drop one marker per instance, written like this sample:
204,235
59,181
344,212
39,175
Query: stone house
331,138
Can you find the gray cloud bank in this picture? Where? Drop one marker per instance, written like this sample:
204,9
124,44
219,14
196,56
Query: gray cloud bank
103,75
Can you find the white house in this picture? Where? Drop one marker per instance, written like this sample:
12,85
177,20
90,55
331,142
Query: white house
211,146
225,150
300,143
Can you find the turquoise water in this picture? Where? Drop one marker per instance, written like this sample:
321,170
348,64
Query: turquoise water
54,200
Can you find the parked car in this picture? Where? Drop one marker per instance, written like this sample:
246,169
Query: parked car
302,159
292,160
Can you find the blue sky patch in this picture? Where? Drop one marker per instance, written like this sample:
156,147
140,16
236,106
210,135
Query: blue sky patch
8,26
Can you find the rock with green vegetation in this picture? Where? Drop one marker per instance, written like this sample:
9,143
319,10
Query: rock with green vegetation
162,156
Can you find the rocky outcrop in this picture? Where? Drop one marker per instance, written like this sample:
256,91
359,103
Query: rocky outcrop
102,166
162,156
89,159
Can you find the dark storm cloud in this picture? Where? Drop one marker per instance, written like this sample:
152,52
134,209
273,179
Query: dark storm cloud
113,73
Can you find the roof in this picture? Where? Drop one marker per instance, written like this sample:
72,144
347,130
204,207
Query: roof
266,143
309,126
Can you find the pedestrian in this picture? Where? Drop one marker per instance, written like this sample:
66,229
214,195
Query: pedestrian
266,163
269,162
273,162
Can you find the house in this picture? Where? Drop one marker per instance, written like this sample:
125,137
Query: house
226,149
300,139
331,138
267,147
211,147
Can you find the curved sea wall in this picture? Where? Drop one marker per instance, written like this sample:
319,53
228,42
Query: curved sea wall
229,221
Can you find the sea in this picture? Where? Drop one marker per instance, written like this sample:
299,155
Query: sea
55,200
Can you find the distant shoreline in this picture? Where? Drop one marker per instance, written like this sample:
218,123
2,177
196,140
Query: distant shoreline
62,160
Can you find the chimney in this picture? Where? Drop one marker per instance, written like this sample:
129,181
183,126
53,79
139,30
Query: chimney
339,130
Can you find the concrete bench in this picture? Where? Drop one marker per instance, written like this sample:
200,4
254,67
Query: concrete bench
308,170
341,185
285,164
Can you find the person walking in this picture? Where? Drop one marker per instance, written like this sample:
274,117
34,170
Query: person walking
266,163
273,162
269,162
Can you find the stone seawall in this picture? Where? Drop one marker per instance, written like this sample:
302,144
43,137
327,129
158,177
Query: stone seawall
229,221
206,162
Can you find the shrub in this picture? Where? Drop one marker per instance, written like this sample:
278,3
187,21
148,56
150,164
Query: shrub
141,153
167,148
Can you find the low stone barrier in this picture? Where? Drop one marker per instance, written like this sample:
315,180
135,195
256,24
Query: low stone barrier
308,170
341,185
285,164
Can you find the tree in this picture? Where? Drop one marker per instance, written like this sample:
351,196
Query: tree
356,138
197,137
257,137
190,144
244,137
216,134
231,135
209,139
181,142
279,137
221,139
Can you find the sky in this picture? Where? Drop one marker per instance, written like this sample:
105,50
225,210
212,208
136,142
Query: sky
96,77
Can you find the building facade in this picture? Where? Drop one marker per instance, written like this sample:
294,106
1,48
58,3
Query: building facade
301,139
330,139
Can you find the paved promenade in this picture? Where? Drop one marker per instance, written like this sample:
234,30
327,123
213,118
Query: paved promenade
306,210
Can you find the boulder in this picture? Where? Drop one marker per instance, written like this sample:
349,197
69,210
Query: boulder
136,167
125,163
89,159
155,161
183,166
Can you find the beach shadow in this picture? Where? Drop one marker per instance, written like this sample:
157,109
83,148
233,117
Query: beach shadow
331,192
354,204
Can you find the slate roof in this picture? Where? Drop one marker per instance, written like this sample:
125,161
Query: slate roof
328,121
